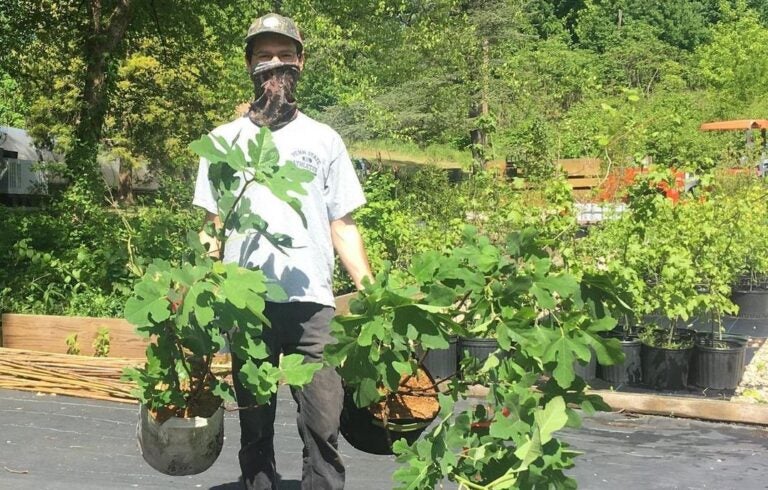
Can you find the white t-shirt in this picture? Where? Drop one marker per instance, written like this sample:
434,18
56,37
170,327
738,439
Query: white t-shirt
305,271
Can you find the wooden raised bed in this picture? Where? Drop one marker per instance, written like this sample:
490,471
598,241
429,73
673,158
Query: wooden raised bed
48,333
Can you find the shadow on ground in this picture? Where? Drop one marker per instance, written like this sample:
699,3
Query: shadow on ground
236,485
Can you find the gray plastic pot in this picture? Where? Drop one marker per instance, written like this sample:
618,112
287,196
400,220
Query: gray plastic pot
587,370
477,348
180,446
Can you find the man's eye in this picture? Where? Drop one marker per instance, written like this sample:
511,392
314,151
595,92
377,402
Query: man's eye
287,56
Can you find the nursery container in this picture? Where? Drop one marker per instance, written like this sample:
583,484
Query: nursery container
477,348
665,368
587,370
442,363
717,364
369,433
630,371
180,446
751,303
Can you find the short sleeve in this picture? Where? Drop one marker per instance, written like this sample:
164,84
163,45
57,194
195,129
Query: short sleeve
203,192
343,192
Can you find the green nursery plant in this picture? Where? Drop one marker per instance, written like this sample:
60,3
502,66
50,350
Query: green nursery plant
750,231
192,308
543,317
674,257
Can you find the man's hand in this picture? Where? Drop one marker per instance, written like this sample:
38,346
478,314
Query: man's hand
207,240
349,245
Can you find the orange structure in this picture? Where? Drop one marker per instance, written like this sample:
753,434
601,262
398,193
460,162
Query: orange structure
746,125
736,124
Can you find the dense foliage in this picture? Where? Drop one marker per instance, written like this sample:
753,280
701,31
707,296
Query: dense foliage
539,79
544,319
679,257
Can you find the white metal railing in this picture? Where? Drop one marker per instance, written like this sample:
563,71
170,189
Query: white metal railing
17,177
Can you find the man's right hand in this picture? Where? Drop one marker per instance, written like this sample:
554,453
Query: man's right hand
209,241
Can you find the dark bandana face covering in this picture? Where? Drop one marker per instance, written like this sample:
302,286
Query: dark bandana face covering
274,85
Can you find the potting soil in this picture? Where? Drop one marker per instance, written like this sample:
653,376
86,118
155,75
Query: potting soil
416,399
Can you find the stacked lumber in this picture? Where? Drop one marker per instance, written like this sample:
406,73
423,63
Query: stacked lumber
62,374
81,376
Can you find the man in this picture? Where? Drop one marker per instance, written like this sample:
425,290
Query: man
274,57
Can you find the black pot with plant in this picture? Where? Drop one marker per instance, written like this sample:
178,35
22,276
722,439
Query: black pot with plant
665,356
442,363
402,414
718,359
512,292
630,371
750,295
478,348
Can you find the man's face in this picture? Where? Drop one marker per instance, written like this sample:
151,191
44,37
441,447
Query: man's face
274,47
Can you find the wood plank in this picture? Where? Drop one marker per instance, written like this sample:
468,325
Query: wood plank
673,406
48,333
580,166
584,182
342,303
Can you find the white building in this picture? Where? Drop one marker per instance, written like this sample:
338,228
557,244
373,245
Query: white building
18,159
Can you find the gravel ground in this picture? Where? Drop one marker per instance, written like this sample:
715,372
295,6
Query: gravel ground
754,383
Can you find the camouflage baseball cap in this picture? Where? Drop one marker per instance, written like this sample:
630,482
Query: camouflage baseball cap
277,24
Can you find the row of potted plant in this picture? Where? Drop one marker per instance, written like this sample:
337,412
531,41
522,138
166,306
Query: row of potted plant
677,261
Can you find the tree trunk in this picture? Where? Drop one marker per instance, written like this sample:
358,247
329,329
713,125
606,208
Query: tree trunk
102,39
479,136
124,184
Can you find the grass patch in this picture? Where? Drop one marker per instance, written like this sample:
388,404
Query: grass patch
400,153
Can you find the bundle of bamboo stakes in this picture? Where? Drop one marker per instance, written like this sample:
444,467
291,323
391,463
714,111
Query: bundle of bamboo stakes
63,374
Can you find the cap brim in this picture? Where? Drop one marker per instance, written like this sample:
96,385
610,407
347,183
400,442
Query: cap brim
273,31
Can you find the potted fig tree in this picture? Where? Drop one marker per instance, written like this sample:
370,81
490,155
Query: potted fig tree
614,249
750,287
190,310
713,229
513,292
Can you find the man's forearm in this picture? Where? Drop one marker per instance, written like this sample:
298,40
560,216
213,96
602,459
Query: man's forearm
349,245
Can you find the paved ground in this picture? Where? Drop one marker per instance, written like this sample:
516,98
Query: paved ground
68,443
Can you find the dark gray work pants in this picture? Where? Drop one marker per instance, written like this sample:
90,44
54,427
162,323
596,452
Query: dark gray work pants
302,328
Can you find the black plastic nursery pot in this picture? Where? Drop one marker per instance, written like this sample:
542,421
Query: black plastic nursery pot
752,303
477,348
664,368
442,363
369,433
629,372
718,363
